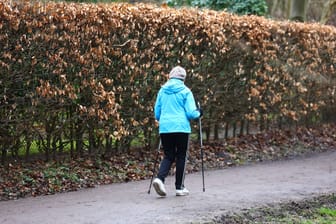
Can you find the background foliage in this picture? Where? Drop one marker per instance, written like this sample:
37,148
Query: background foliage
82,78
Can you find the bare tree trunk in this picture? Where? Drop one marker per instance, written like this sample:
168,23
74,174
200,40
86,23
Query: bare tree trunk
234,129
278,8
28,144
216,132
298,10
226,130
109,146
275,6
92,143
79,139
328,9
247,127
242,124
3,155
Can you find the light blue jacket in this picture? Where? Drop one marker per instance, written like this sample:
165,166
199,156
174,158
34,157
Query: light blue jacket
175,107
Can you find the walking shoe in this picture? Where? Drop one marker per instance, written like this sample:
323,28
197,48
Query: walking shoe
182,192
159,187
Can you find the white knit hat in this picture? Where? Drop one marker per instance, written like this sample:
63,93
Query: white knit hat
178,72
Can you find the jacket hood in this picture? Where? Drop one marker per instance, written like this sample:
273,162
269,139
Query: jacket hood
173,86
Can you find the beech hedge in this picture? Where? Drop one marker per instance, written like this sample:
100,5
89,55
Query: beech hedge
83,78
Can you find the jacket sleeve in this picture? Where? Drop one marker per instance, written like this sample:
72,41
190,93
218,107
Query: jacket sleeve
191,108
157,107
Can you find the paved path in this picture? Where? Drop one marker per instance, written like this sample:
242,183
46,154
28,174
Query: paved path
226,190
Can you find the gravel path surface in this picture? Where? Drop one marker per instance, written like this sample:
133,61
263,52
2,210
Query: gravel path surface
226,190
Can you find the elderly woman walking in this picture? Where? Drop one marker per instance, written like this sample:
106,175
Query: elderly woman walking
174,108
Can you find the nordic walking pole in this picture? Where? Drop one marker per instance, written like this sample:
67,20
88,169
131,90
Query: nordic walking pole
155,162
201,141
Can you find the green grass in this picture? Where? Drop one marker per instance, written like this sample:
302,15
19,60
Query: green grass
321,215
35,148
316,210
327,212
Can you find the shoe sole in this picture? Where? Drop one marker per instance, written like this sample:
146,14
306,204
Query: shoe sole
182,194
158,190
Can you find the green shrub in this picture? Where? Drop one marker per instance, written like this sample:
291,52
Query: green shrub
249,7
240,7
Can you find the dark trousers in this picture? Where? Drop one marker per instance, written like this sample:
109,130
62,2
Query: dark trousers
175,146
